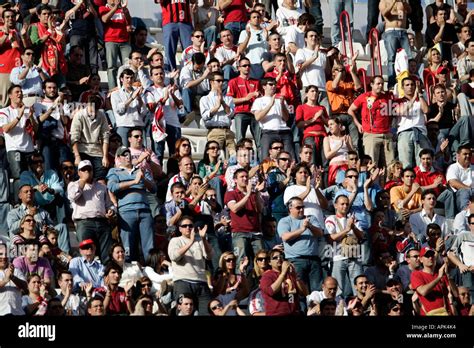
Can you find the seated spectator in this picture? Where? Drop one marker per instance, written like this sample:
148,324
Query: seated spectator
271,161
95,306
185,306
183,148
441,31
404,271
26,233
35,301
130,185
278,179
336,148
12,282
243,162
329,291
213,168
30,77
92,208
186,172
394,171
86,269
461,223
383,270
460,176
217,309
464,306
93,89
198,45
226,54
419,221
73,304
406,199
31,263
42,218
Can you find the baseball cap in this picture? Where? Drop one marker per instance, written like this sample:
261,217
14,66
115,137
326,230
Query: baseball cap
426,250
121,150
84,163
86,242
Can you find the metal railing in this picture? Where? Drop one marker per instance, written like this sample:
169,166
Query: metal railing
430,81
374,44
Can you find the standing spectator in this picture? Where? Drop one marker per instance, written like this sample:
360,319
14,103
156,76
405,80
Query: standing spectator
51,43
136,63
130,185
78,74
235,15
253,43
206,19
280,287
272,113
419,221
245,208
139,42
432,287
91,207
460,176
73,304
117,21
442,111
287,15
412,133
244,91
176,22
53,115
344,232
18,124
406,199
375,125
336,149
90,137
227,53
198,43
461,255
217,111
295,35
168,99
86,269
83,31
128,105
278,179
300,240
336,8
274,46
395,13
30,77
11,48
188,254
412,258
441,32
12,282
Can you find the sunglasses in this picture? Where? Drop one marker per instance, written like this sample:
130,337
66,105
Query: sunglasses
198,36
185,145
29,220
300,207
85,169
229,260
352,176
216,307
277,148
187,226
28,53
68,167
286,159
262,258
245,65
213,148
146,285
395,309
137,136
270,84
220,81
279,257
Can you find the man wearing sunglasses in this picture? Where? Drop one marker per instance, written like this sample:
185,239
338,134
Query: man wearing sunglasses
253,44
198,45
217,111
300,236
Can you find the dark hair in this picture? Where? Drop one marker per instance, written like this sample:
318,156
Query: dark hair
408,169
426,193
112,248
177,185
44,7
131,54
352,152
470,217
359,276
327,302
209,310
45,82
311,29
372,80
61,272
463,147
198,58
112,265
276,141
306,18
298,167
8,10
128,72
185,217
134,129
426,152
185,295
409,78
214,60
156,68
340,196
240,170
35,154
432,226
205,157
242,59
243,141
266,80
213,75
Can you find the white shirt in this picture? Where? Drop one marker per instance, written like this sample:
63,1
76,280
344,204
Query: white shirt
188,74
219,119
414,118
273,119
10,295
17,139
460,223
295,35
132,116
311,202
420,220
153,94
223,53
335,225
465,176
44,106
257,45
287,18
313,74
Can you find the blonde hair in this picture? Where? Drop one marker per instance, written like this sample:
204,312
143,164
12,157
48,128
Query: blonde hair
222,263
391,169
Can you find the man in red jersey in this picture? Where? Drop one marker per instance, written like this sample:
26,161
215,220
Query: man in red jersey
376,121
177,23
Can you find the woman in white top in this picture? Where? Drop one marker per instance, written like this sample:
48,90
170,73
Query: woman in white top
336,146
131,271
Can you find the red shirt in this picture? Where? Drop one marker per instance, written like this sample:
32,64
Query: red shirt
375,112
435,298
174,11
283,302
306,112
118,301
10,53
235,12
286,87
246,219
240,88
115,30
428,178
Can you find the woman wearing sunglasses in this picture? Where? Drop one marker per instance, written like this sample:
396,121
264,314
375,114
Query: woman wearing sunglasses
27,233
217,309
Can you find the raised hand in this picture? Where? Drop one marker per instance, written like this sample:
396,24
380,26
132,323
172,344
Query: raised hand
202,231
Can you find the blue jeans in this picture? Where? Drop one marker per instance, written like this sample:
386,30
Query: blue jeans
268,136
309,270
229,73
409,148
135,225
335,9
171,33
113,49
350,268
199,291
317,13
63,237
447,199
97,229
462,198
188,95
210,35
468,282
122,131
246,244
235,28
174,133
54,152
242,122
395,39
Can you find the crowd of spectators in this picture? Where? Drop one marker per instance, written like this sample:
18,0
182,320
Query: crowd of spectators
351,198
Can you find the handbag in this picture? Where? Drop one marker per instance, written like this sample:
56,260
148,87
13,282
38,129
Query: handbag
348,243
157,131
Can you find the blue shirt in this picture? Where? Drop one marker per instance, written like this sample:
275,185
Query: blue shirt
49,178
304,245
86,272
31,84
362,215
